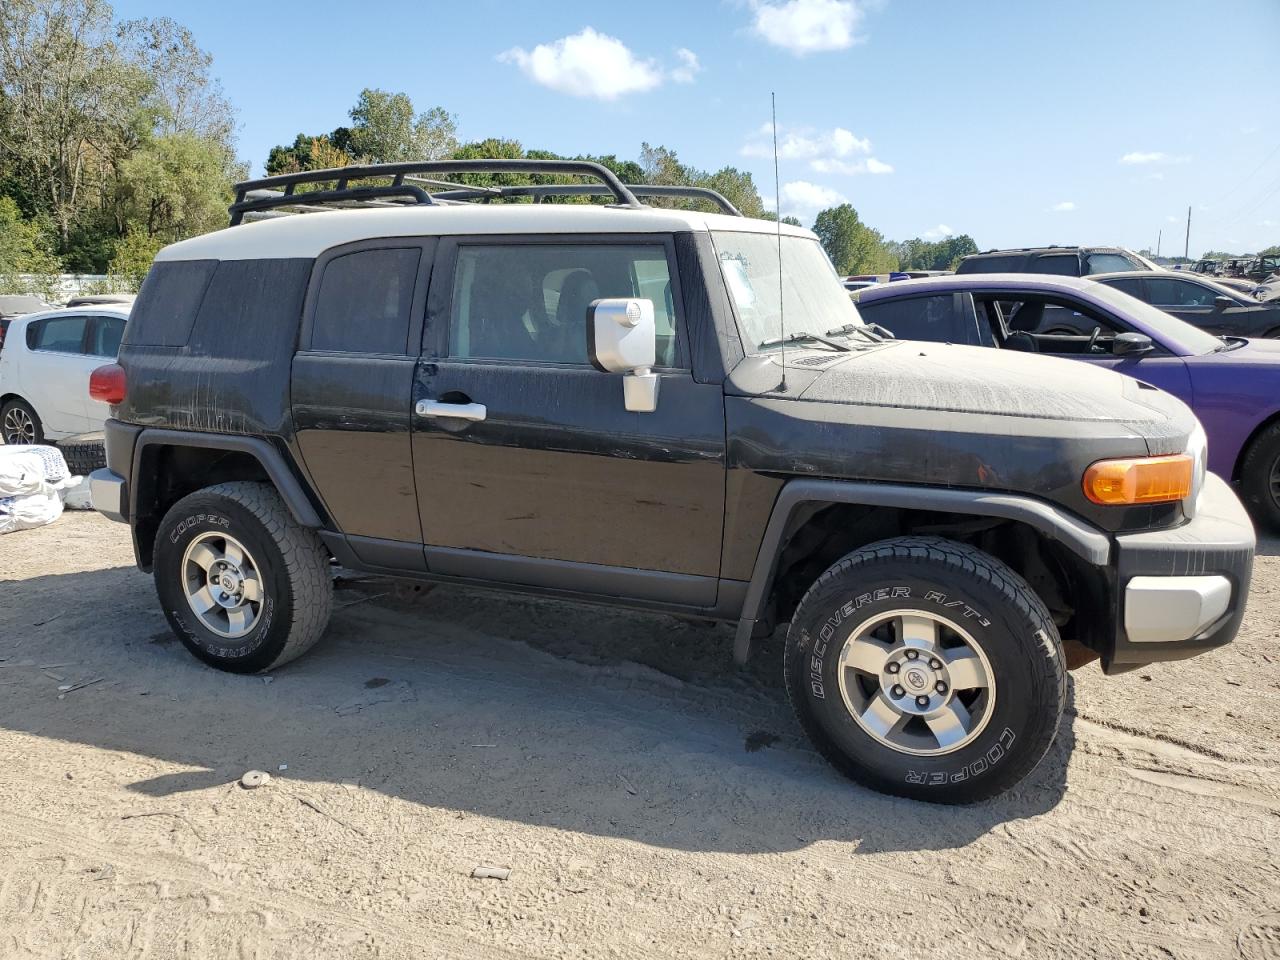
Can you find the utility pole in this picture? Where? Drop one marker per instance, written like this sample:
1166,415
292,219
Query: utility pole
1159,237
1186,249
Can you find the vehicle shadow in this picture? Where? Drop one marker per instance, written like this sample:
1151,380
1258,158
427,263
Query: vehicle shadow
520,709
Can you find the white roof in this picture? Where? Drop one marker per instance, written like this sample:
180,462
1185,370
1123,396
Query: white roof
310,234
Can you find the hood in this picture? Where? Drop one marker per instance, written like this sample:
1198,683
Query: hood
1254,351
950,378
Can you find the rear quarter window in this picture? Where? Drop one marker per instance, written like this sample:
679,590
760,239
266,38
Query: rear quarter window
1003,264
166,308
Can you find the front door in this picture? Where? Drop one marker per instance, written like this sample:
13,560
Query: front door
542,477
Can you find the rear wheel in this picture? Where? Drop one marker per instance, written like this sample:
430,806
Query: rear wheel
20,424
928,669
1260,478
244,586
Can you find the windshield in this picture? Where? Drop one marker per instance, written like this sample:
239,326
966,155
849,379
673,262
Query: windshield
1160,323
813,298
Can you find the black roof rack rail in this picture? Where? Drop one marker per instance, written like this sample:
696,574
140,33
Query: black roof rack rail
539,191
341,176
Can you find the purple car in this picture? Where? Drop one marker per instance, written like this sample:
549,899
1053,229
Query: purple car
1232,383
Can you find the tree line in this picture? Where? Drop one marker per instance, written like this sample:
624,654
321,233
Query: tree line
115,140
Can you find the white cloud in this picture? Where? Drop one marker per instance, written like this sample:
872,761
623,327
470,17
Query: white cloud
590,64
1066,206
807,26
1172,219
838,150
1138,158
1267,223
803,197
689,66
938,232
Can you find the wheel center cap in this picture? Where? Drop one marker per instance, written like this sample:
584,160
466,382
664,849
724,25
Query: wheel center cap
916,678
230,582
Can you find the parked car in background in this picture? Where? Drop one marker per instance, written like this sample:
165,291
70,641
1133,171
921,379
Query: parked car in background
1201,301
44,372
1208,266
1262,268
1233,384
1059,261
853,286
17,305
103,299
1236,266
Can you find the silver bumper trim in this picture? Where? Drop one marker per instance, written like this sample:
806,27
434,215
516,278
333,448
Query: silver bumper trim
1173,609
107,490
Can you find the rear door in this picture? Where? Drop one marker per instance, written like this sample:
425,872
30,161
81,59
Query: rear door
55,378
352,382
543,477
102,346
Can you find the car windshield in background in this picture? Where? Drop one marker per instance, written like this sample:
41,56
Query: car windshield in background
1163,324
813,297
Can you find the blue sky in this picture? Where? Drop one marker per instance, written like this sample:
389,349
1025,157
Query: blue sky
1087,121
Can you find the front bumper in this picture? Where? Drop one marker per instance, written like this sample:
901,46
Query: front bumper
1183,591
110,495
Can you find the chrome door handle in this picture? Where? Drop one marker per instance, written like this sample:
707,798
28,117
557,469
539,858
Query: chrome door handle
458,411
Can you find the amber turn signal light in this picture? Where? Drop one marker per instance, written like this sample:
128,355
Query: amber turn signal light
1140,480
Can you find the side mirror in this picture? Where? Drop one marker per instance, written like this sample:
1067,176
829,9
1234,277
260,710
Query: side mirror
1131,344
621,338
1222,303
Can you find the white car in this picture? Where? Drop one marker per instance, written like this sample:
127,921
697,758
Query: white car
44,372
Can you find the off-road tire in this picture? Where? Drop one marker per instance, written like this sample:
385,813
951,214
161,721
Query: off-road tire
84,458
16,406
1000,611
1260,459
294,570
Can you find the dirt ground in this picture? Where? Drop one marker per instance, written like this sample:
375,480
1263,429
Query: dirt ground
648,800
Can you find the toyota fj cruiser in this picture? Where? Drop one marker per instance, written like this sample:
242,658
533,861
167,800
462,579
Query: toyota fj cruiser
677,411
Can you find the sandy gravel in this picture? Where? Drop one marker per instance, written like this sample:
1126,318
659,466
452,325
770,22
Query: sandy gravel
648,800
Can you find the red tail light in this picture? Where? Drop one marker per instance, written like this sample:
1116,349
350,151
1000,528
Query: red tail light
108,384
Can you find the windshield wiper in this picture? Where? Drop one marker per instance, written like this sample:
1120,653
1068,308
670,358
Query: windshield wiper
871,331
804,337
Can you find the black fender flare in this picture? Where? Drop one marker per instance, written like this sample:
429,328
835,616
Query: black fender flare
272,460
1086,541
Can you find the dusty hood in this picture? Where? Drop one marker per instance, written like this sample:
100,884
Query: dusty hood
959,379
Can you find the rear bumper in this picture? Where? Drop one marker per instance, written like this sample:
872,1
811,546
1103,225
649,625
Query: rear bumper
109,494
1183,591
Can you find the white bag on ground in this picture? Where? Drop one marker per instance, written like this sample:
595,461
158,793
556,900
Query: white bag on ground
33,510
32,478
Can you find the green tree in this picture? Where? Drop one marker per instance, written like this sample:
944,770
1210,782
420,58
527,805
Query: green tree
661,166
132,259
852,246
1271,251
172,187
385,129
26,247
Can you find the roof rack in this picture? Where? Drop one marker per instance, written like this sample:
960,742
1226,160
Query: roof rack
397,172
261,196
541,191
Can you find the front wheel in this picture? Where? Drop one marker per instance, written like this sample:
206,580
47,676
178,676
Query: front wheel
928,669
244,585
1260,478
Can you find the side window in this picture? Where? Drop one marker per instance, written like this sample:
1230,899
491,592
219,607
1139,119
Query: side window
1059,264
1173,292
529,301
1110,263
105,339
1130,285
365,300
59,335
922,318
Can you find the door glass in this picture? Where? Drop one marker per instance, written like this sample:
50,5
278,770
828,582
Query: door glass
1130,285
107,334
1111,263
364,302
1061,265
60,334
1173,292
529,301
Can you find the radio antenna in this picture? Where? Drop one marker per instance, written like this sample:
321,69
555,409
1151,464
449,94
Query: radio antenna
777,193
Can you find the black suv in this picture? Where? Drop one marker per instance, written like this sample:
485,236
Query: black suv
617,403
1060,261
